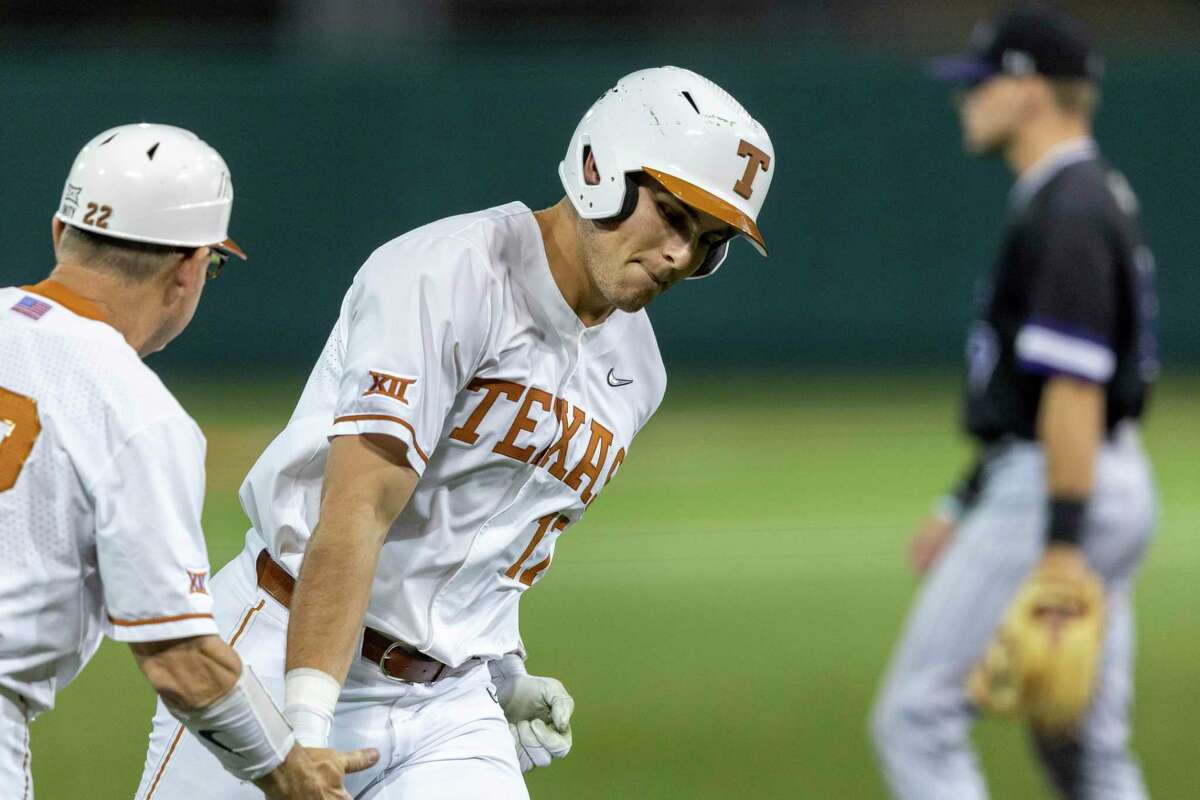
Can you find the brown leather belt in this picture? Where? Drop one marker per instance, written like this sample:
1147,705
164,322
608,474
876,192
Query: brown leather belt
397,659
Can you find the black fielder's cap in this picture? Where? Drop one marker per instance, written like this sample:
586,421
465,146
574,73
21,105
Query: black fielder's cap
1027,41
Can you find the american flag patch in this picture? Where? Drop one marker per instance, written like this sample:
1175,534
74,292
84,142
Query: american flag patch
31,307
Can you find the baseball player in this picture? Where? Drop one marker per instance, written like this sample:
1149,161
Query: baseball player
102,472
1060,359
482,385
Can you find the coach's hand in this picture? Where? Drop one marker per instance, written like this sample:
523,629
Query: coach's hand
538,710
928,542
315,774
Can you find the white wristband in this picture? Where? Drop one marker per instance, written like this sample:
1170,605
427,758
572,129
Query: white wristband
243,729
310,697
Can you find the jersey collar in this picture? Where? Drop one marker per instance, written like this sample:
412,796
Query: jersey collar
1061,155
539,281
551,307
68,299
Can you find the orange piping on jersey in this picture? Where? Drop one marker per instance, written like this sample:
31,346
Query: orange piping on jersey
389,418
179,731
156,620
68,299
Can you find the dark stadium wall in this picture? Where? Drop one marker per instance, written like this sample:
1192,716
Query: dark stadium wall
876,222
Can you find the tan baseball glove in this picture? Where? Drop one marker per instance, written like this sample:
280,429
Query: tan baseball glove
1042,662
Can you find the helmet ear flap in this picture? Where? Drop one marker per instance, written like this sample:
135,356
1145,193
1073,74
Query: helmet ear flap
630,201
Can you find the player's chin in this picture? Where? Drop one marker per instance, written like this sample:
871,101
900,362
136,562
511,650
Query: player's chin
635,291
979,144
638,296
632,302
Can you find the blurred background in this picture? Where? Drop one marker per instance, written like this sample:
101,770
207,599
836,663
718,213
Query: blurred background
723,615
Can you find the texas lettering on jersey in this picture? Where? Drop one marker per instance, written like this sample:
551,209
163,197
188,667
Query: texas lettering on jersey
455,339
583,477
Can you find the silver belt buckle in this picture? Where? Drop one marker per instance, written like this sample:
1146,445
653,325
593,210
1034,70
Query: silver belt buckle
387,651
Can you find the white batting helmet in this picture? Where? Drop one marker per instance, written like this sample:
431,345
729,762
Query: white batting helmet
151,183
688,134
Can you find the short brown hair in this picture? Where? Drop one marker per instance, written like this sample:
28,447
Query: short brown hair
133,261
1078,97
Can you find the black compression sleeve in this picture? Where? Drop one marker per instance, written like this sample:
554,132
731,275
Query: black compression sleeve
1065,520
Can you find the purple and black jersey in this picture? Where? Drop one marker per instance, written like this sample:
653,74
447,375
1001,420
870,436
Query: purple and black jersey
1072,293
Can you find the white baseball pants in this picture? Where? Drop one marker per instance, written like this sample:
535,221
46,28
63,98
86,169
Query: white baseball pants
16,782
921,721
443,741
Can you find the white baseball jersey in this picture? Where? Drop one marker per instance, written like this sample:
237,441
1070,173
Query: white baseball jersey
101,486
455,339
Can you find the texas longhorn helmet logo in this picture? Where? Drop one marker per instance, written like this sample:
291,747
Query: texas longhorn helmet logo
755,160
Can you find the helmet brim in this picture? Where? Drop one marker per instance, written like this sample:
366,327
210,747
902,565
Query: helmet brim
232,247
709,203
964,69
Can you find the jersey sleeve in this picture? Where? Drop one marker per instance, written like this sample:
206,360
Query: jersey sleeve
149,543
1072,317
419,316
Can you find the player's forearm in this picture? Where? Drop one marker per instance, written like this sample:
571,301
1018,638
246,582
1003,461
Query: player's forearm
333,593
367,484
189,674
326,615
1070,427
205,686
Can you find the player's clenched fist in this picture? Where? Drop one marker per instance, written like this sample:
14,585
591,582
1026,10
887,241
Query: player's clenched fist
538,743
315,774
538,710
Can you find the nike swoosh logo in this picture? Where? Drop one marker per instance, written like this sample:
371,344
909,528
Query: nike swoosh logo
212,737
614,381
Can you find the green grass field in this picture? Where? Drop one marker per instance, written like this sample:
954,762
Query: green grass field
723,612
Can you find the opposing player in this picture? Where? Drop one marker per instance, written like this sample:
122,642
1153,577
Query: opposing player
482,385
1060,359
102,472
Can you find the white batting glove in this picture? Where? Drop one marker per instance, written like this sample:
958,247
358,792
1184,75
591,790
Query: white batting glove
538,710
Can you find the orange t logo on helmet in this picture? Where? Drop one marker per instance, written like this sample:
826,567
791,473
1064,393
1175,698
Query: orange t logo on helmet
757,160
680,129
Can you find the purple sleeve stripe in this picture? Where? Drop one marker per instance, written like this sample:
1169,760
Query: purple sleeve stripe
1074,331
1039,348
1052,370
